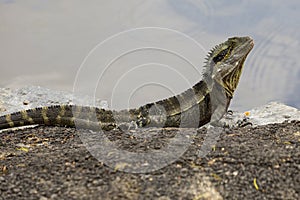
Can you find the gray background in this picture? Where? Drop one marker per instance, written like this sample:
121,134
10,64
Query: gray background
45,42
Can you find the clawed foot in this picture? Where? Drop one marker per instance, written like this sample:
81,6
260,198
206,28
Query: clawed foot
232,120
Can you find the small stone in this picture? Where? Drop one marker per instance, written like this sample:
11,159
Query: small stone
184,172
54,196
235,173
26,102
33,191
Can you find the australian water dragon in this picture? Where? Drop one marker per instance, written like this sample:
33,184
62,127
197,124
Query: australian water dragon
193,107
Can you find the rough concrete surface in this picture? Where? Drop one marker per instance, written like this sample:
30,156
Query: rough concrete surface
252,162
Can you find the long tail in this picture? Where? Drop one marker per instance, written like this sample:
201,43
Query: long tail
60,115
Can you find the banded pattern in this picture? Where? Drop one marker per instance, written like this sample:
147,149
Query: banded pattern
192,108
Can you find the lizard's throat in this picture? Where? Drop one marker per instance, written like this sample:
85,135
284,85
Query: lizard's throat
231,80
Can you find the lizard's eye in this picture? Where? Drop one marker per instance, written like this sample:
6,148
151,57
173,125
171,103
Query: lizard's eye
221,55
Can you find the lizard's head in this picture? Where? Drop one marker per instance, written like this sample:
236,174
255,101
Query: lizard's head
225,62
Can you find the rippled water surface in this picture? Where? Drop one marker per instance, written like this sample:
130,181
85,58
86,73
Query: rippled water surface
107,47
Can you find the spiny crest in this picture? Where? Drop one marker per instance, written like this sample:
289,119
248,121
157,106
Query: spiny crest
207,70
210,53
215,51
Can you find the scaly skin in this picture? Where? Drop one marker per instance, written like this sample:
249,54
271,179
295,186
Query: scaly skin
192,108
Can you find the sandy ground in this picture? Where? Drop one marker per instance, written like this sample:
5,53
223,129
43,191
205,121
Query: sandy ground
246,163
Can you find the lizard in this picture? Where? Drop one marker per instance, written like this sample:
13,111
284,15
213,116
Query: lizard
222,71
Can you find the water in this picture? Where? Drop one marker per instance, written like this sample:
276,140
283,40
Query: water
45,43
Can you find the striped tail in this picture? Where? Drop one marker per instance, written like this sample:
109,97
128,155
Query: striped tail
52,115
60,115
